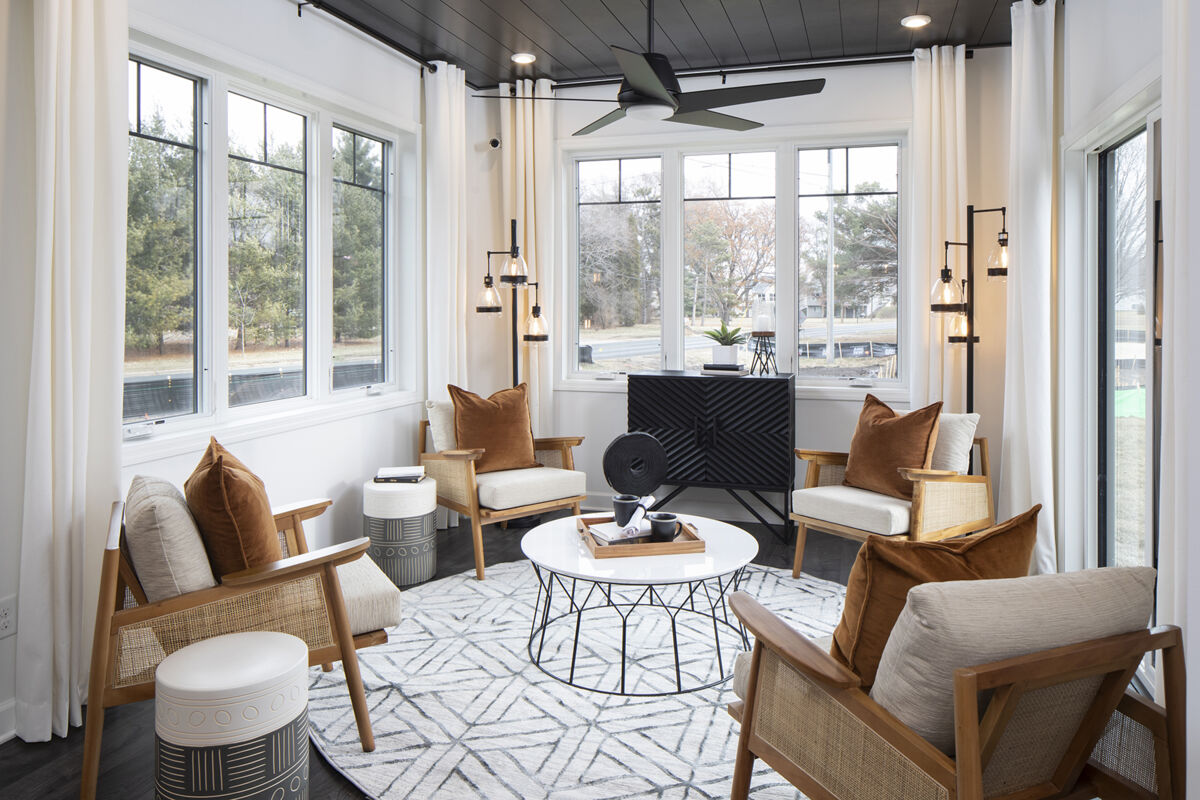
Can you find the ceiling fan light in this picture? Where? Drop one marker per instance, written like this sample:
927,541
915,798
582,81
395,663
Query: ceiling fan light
916,21
523,58
650,112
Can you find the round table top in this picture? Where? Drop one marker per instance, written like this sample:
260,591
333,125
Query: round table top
556,546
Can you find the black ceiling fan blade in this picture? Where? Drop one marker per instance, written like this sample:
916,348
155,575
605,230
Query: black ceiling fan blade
737,95
713,119
607,119
640,76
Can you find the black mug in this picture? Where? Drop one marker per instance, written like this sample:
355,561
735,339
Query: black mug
663,525
623,507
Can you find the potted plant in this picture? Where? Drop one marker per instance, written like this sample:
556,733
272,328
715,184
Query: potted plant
725,351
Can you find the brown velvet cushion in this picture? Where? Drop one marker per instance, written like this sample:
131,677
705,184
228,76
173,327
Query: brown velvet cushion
885,441
500,425
886,569
232,512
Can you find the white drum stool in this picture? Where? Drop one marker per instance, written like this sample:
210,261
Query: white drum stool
399,519
231,719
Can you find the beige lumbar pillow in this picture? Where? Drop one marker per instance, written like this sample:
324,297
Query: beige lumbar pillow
163,540
946,626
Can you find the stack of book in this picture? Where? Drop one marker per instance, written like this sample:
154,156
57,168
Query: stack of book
400,475
724,369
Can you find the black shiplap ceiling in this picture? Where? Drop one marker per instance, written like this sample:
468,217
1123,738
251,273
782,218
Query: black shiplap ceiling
571,37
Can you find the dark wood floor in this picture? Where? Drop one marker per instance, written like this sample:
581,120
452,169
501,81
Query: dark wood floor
50,770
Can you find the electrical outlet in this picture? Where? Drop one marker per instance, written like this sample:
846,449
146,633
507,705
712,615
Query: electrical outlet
8,616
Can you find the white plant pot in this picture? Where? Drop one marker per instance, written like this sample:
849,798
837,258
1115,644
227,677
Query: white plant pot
725,354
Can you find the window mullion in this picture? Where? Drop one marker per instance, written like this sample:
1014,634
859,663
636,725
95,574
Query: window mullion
786,265
671,269
217,337
320,261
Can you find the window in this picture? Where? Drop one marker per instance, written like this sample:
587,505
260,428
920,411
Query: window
163,245
1127,304
847,263
281,293
728,245
359,259
267,257
619,257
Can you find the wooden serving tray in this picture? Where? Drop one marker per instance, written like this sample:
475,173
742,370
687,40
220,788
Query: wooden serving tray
687,540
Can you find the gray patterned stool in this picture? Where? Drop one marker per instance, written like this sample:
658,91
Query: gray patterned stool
399,518
231,719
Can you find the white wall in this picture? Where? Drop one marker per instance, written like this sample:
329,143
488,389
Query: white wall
854,97
16,305
1107,44
327,455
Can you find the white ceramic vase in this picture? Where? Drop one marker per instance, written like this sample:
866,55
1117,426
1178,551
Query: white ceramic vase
725,354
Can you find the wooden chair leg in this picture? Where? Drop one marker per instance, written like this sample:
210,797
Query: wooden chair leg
93,730
327,668
345,640
743,765
801,537
575,509
477,543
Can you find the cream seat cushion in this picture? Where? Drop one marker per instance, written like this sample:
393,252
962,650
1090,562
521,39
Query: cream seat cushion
854,508
510,488
946,626
741,666
372,601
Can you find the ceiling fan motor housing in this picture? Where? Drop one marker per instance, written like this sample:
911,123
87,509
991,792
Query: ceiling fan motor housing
628,96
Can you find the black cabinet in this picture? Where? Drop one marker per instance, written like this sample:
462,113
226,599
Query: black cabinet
732,433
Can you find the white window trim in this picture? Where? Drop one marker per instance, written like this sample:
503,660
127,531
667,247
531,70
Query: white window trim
403,282
785,142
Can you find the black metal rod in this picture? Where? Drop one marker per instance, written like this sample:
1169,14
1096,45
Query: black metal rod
373,33
515,364
970,309
650,28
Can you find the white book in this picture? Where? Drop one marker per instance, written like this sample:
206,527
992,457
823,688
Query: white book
406,474
612,532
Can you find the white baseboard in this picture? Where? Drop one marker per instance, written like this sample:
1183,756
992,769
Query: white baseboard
8,719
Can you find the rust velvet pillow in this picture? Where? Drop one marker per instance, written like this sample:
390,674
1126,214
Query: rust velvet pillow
499,424
885,441
232,512
886,569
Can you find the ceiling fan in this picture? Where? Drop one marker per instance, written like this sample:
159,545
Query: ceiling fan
649,90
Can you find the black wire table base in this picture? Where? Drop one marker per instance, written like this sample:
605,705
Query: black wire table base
695,610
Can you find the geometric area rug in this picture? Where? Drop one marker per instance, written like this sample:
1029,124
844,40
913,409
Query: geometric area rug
460,712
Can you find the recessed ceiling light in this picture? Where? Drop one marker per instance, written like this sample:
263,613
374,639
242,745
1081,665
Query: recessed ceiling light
916,21
523,58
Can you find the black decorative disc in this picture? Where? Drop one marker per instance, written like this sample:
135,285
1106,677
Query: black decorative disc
635,463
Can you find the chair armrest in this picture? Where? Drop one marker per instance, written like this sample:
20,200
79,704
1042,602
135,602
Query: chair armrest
453,455
910,474
790,644
335,555
822,456
305,509
551,442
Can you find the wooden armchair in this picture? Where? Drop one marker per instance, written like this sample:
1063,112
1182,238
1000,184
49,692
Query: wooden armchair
508,494
944,503
807,717
301,595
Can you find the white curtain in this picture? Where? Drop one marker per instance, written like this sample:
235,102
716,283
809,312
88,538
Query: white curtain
1179,502
939,203
1027,474
527,134
72,453
448,292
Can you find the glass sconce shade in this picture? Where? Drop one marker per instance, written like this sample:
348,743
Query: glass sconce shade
537,327
488,301
997,266
514,270
959,328
946,297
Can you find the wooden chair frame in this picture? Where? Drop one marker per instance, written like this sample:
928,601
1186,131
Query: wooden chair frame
927,484
457,490
117,575
1114,659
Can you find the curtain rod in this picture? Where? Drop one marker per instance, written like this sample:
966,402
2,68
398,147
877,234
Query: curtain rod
374,34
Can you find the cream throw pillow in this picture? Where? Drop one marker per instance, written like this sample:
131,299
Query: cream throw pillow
163,540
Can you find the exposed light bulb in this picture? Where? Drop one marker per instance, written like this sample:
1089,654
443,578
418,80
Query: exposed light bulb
537,327
514,270
489,299
946,296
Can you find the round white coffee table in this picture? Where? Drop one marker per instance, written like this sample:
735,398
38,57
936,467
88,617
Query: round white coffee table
655,625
